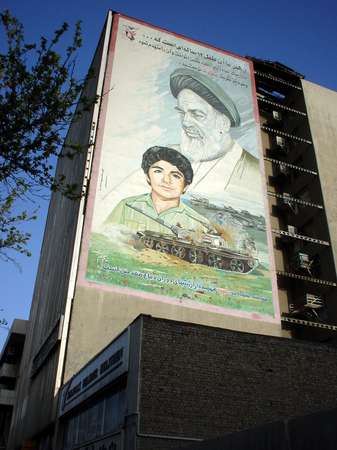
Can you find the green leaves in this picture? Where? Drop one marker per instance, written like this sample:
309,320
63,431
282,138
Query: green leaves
38,99
11,236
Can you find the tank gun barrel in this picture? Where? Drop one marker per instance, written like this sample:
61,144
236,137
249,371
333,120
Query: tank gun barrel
156,219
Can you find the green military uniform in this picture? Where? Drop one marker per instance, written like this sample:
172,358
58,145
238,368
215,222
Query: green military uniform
129,212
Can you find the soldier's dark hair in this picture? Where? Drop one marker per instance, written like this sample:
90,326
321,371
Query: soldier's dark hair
155,154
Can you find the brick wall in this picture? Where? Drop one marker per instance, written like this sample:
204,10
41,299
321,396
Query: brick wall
203,382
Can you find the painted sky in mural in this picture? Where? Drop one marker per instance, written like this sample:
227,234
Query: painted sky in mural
179,205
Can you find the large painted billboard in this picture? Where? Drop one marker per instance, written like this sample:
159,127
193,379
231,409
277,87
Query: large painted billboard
177,194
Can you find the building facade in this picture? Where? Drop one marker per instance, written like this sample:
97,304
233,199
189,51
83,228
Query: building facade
254,267
10,360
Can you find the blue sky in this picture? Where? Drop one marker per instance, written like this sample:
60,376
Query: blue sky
298,33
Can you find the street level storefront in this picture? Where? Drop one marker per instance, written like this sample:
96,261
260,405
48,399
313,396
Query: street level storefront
92,404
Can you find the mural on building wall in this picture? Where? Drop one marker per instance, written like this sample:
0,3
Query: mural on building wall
179,205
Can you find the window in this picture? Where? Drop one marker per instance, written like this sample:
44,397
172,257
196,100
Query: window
101,417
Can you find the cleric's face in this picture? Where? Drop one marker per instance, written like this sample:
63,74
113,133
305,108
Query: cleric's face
197,116
166,180
203,127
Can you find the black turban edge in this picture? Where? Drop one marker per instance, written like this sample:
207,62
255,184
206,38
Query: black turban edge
180,82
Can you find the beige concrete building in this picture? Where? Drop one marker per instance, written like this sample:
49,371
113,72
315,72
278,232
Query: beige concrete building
72,319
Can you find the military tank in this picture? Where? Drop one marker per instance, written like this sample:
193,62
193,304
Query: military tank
209,248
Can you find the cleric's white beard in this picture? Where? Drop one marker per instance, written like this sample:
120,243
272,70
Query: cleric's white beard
206,148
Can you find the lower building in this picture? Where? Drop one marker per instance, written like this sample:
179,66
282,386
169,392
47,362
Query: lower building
164,384
10,359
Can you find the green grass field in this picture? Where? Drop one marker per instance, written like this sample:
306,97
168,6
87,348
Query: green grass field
150,271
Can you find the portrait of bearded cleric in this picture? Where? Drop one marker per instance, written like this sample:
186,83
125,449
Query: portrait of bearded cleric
207,114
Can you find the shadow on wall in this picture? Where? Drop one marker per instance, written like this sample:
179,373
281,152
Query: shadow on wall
310,432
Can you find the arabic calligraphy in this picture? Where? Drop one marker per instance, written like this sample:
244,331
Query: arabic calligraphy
219,65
